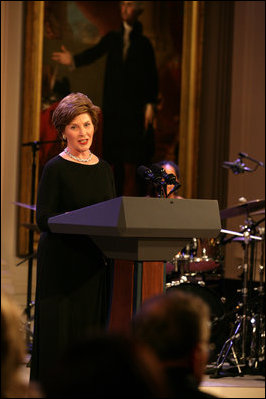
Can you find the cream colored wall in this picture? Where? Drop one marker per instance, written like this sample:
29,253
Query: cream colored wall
13,278
247,128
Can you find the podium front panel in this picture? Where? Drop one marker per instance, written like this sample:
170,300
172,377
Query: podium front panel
143,249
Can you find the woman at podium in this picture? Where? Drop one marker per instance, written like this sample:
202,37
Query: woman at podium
73,277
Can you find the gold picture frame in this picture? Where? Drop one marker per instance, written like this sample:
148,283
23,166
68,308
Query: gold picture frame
193,21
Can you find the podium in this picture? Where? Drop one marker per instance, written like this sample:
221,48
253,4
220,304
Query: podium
142,229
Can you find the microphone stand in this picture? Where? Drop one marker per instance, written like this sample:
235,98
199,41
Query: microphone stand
176,187
35,146
161,190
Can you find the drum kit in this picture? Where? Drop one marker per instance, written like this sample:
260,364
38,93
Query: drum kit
237,333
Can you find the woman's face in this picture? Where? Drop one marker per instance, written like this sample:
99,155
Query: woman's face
79,133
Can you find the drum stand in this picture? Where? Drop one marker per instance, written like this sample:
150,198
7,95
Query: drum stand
229,345
240,330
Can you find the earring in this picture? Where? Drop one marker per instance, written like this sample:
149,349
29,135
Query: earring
64,137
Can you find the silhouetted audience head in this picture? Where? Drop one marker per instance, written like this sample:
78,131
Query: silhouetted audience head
13,352
106,365
176,325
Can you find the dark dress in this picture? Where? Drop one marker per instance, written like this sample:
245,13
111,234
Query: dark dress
73,287
128,85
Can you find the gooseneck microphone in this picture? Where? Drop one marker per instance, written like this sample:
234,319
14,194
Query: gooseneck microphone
158,176
167,178
148,175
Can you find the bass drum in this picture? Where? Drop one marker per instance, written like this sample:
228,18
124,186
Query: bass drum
219,326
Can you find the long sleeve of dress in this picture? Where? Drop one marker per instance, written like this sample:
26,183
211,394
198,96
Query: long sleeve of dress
48,198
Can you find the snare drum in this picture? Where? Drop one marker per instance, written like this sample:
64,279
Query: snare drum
200,255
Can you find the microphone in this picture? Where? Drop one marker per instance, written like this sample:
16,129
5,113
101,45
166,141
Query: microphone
244,155
168,178
148,175
236,167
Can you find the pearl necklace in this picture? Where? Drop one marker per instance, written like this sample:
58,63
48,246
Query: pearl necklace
76,158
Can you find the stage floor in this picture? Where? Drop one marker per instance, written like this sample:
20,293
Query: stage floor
246,386
230,384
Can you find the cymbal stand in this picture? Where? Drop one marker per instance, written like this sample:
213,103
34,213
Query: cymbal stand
245,294
240,329
260,328
251,226
256,315
241,323
261,266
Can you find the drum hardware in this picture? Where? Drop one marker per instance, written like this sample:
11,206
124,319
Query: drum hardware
232,344
247,331
184,280
249,239
235,233
227,346
247,339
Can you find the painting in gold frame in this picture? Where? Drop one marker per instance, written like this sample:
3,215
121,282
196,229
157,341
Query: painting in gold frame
192,28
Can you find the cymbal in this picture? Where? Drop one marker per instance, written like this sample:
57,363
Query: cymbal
31,226
32,207
242,209
260,212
